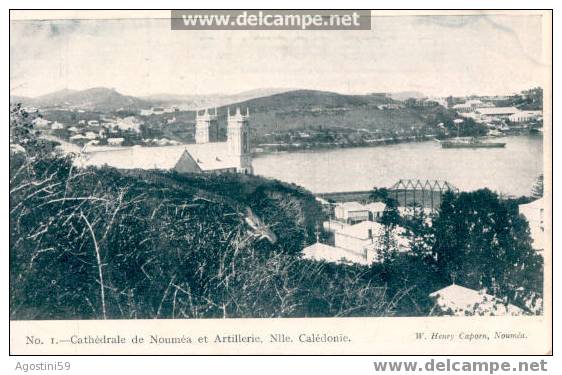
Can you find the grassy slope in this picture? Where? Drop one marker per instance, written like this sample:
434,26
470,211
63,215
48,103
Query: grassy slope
306,108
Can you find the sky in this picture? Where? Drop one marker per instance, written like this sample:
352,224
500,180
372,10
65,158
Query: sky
436,55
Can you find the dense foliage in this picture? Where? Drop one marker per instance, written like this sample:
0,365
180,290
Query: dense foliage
482,242
102,243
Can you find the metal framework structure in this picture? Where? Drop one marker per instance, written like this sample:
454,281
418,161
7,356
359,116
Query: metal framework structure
426,193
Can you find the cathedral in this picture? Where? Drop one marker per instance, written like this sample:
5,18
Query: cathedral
206,155
238,136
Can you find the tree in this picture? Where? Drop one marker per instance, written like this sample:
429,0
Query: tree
486,244
379,194
390,216
23,135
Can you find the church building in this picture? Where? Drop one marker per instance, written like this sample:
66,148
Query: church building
206,155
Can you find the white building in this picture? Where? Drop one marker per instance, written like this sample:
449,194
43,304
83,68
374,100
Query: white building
534,214
127,123
77,137
359,243
457,300
496,112
362,238
354,212
351,212
57,126
91,135
41,122
376,210
326,253
204,156
115,142
524,116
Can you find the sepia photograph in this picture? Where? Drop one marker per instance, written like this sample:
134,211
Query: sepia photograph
240,165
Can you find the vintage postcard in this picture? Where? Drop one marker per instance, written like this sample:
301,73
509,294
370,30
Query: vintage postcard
280,182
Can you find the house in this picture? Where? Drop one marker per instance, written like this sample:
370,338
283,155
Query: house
351,212
376,210
128,123
202,157
91,135
41,122
359,243
333,226
497,112
30,109
524,116
369,234
534,214
77,137
332,254
463,108
115,141
461,301
57,126
359,237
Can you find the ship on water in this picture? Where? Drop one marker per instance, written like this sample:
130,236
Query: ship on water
470,143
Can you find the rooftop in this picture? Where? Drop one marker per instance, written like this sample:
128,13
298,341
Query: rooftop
375,206
498,111
323,252
352,206
208,156
465,301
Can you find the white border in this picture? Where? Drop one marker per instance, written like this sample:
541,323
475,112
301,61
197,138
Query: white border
252,365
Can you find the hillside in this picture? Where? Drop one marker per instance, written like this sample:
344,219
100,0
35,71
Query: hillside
321,109
95,99
101,243
355,118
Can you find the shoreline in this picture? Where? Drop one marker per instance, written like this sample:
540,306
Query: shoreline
335,147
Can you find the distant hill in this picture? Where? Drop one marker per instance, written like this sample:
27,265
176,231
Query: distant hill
271,109
95,99
106,100
190,102
315,109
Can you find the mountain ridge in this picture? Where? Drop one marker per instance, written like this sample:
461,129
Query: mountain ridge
105,99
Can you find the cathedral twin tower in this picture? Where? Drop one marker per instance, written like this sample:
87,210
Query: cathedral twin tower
238,134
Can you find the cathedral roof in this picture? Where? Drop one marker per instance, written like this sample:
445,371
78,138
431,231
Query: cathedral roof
208,156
